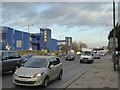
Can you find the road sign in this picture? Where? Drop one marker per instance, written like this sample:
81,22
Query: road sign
111,42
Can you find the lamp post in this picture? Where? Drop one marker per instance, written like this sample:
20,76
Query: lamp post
29,28
114,38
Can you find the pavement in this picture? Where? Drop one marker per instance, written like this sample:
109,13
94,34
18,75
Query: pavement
101,75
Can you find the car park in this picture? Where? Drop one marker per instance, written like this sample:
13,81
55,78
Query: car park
70,57
87,55
39,70
10,61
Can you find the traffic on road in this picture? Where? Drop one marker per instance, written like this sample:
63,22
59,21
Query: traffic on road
41,70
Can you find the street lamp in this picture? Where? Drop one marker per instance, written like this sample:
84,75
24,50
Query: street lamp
29,27
114,36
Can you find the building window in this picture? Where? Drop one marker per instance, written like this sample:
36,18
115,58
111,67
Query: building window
18,44
30,38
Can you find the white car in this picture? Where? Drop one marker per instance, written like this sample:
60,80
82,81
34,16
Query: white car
96,55
87,56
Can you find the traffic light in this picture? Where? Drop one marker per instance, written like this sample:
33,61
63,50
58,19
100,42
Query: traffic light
45,36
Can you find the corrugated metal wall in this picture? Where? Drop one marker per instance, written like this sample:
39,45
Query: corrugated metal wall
25,41
53,45
7,36
35,41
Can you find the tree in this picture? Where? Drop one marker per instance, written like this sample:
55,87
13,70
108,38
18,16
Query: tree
78,46
117,36
82,45
75,46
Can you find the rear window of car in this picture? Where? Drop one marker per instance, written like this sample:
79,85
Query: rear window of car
5,55
13,55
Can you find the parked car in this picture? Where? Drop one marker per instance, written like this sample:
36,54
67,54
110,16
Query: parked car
87,55
70,57
38,70
10,61
27,57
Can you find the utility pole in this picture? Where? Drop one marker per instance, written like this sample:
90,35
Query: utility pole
29,28
114,38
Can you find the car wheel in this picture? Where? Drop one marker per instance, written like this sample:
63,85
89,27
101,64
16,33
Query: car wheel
74,58
60,75
46,80
91,61
81,61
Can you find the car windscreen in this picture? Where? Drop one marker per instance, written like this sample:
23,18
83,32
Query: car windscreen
27,56
36,63
88,53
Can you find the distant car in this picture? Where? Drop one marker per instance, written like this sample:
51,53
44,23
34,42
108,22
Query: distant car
10,61
103,52
38,70
87,56
70,57
26,57
96,55
78,53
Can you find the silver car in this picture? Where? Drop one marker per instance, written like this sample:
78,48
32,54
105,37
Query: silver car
39,70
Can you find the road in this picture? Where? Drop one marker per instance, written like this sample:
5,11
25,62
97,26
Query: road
71,69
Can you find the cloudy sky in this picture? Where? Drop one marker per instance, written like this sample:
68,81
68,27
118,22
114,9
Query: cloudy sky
88,22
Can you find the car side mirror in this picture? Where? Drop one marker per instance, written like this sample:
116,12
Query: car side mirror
51,66
25,61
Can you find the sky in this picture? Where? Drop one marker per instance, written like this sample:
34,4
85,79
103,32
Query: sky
87,22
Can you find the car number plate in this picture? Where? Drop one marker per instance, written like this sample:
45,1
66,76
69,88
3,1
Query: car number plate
23,80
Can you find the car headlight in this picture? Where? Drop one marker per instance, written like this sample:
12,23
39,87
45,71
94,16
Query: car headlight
81,58
15,74
37,75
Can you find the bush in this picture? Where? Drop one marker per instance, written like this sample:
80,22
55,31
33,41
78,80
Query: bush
38,52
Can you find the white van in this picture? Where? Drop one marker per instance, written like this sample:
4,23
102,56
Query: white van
87,55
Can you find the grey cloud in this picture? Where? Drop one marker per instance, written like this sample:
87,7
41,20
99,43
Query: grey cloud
71,14
66,14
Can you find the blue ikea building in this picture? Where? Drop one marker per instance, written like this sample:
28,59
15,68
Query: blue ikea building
68,41
6,35
16,40
19,40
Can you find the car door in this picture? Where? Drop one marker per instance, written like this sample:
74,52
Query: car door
52,71
58,66
5,62
14,59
